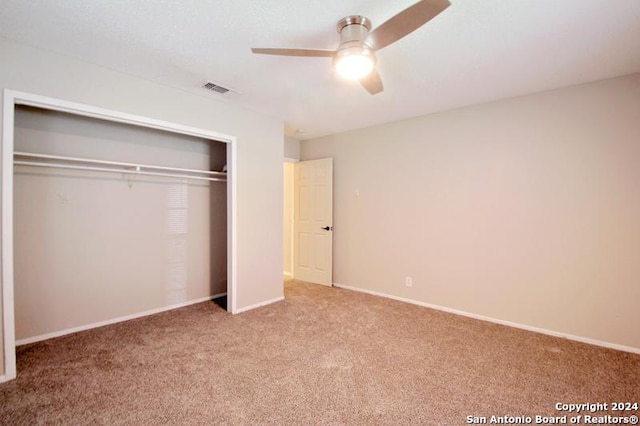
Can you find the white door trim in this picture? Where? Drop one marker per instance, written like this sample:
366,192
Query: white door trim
289,274
10,100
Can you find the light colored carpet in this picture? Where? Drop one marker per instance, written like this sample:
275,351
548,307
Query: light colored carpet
322,356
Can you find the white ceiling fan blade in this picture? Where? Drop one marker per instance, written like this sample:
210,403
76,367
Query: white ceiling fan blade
320,53
405,22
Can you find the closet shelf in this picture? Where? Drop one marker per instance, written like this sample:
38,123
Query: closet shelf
75,163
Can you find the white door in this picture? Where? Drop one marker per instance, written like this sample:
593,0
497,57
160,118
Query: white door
313,221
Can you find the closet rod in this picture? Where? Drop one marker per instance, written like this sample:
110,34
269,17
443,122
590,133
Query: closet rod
114,163
120,171
131,168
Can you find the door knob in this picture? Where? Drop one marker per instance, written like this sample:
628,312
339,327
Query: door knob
328,228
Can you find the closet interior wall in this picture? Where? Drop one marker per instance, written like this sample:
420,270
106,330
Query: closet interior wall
93,246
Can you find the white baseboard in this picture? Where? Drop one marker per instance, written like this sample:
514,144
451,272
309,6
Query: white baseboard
257,305
4,378
114,320
287,274
497,321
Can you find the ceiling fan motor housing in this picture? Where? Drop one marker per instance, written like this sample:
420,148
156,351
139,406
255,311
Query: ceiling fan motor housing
353,31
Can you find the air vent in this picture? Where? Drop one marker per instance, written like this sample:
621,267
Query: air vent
216,88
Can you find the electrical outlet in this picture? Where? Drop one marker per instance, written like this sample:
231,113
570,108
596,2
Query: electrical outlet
408,281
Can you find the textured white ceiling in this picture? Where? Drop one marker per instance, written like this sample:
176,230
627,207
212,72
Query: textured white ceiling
475,51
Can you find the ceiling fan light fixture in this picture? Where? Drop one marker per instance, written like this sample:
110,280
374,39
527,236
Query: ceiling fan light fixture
355,59
354,63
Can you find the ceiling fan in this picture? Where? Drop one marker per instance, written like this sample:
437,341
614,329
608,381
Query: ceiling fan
355,57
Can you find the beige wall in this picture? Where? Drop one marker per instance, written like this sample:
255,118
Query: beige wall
524,210
259,144
291,148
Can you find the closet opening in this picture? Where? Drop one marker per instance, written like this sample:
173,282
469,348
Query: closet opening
111,217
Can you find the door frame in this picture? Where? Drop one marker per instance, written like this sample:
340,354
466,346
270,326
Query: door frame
288,160
13,98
